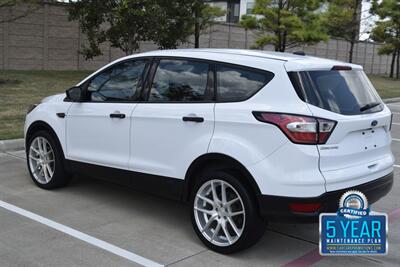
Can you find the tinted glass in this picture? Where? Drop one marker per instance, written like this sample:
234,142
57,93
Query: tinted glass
179,80
238,84
347,92
117,83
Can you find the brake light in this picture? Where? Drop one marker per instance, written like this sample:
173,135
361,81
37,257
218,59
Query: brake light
337,67
299,129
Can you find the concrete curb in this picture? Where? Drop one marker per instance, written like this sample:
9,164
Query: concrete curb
391,100
12,145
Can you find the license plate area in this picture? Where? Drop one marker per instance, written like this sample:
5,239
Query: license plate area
370,138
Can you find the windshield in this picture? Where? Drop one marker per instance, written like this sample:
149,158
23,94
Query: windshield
347,92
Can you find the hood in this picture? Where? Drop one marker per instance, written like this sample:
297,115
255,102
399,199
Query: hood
54,98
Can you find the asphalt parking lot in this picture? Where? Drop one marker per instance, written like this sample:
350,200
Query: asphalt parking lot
94,223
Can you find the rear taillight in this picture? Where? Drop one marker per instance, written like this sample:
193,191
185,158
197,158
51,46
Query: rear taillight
299,129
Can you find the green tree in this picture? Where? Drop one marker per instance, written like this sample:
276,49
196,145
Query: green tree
387,31
342,19
248,22
286,24
203,17
126,23
172,23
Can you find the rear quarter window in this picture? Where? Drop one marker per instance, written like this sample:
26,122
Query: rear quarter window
239,83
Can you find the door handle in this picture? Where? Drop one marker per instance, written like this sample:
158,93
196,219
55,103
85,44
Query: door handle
117,115
193,119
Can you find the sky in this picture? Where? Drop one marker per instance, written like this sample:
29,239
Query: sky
367,20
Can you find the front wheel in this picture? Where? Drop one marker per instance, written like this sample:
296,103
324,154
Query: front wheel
224,214
45,161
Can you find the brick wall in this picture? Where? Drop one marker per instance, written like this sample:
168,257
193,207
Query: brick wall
46,40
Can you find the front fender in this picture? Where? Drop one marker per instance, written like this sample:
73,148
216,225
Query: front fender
46,113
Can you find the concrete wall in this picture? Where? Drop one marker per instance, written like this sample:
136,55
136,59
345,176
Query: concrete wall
46,40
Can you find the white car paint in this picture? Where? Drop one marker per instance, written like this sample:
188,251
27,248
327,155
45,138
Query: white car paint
46,112
154,140
162,144
93,137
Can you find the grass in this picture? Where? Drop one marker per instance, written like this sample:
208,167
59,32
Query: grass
19,89
386,87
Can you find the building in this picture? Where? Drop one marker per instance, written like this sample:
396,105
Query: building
234,9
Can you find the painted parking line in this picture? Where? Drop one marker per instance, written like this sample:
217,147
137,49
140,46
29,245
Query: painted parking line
395,123
305,260
81,236
313,256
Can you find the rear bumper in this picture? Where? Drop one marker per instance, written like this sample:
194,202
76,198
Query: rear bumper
275,208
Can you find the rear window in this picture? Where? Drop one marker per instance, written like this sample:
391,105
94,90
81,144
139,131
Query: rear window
347,92
239,83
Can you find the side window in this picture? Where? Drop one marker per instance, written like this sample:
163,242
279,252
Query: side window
180,80
239,83
119,83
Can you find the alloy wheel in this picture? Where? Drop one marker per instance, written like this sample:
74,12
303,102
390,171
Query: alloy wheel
41,160
219,212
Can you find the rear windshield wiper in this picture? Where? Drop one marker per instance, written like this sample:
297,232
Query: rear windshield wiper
369,106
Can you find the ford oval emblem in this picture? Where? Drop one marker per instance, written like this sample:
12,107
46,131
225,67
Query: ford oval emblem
374,123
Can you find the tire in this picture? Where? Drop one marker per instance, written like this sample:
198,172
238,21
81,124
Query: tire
206,215
49,153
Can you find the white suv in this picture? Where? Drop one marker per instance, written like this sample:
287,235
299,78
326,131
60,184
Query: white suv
243,136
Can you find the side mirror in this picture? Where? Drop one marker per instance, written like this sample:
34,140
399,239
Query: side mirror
75,94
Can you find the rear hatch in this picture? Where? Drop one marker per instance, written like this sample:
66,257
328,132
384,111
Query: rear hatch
358,149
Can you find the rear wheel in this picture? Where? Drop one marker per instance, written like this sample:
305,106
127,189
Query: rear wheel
224,214
45,161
